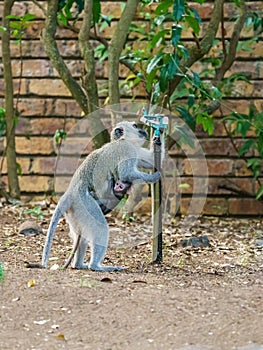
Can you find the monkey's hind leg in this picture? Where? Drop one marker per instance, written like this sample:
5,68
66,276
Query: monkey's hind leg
89,222
79,256
97,255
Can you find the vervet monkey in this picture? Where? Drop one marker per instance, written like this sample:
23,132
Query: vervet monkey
91,193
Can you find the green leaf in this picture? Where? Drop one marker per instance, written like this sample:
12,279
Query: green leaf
176,34
96,10
60,135
180,94
163,8
260,144
197,80
158,37
193,23
178,9
196,14
163,80
183,51
1,272
259,192
154,62
19,169
187,117
207,123
149,80
159,20
28,17
247,146
191,100
62,19
15,17
15,25
172,67
80,4
107,19
184,185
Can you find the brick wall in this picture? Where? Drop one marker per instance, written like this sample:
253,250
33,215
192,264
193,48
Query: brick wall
46,105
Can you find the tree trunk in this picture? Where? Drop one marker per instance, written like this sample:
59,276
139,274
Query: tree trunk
85,102
13,183
89,78
115,48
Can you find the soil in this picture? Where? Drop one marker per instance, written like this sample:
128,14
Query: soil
205,297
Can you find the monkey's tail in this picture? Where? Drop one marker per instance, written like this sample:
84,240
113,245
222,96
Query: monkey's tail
59,211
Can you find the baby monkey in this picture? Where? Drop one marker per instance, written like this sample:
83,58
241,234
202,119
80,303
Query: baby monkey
96,188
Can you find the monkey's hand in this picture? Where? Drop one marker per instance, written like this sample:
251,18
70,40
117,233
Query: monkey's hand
156,176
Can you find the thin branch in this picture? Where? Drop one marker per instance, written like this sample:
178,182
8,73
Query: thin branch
89,78
13,183
229,57
51,48
42,8
195,53
223,32
115,48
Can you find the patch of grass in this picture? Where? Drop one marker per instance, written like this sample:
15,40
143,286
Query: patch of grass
35,212
1,272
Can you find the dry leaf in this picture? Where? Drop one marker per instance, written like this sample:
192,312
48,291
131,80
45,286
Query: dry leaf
41,322
31,283
61,336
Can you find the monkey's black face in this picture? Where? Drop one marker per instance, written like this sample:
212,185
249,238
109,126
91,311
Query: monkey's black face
128,130
118,133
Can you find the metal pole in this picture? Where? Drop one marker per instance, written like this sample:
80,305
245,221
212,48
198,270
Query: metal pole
157,256
159,123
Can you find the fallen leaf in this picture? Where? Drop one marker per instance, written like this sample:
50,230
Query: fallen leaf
54,267
139,281
31,283
41,322
61,336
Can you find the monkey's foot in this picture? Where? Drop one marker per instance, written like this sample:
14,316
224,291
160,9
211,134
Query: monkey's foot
81,267
97,268
106,268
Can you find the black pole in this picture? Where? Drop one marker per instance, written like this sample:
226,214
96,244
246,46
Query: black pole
157,256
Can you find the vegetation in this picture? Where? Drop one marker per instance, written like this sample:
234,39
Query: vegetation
158,59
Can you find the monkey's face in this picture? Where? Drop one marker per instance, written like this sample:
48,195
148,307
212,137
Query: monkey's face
129,131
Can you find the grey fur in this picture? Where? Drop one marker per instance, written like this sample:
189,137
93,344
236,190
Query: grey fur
83,210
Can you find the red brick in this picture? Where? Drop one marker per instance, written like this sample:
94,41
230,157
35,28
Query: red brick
24,163
34,145
68,165
48,87
2,147
66,107
227,186
39,126
218,167
76,146
35,107
245,206
61,183
36,183
213,206
240,168
43,165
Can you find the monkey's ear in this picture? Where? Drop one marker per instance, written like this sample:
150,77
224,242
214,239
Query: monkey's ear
118,133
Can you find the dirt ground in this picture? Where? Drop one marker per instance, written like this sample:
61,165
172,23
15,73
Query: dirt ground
199,298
